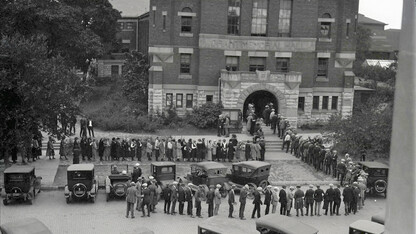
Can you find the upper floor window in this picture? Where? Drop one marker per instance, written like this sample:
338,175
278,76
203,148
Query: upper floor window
231,63
120,25
325,26
185,64
129,25
186,21
285,15
257,63
179,100
282,64
259,18
323,67
234,7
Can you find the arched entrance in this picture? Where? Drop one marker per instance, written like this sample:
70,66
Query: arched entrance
260,99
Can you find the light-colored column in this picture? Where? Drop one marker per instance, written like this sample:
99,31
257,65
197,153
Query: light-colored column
401,201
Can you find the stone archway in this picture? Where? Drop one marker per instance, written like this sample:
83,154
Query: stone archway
281,99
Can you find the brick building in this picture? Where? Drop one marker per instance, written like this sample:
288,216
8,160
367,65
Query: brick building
297,54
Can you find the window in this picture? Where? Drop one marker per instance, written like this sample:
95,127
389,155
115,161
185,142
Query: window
209,98
257,63
129,25
179,99
301,103
169,100
186,21
189,100
234,7
325,100
323,67
259,18
231,63
154,15
185,63
325,27
282,64
334,104
120,25
315,103
114,70
285,15
347,33
164,22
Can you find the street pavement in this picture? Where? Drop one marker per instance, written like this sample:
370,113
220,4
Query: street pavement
109,217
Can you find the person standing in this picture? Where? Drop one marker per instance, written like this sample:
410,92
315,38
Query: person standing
217,199
131,198
137,172
199,197
139,149
309,200
156,148
162,150
167,194
348,195
356,197
174,197
149,149
188,199
62,150
267,199
243,200
227,126
219,126
283,200
363,187
248,151
139,194
337,200
50,151
210,200
76,150
329,196
299,194
90,128
231,201
289,197
181,198
262,145
334,162
94,149
101,148
171,147
318,197
275,199
257,202
209,150
153,196
146,200
286,142
107,149
72,123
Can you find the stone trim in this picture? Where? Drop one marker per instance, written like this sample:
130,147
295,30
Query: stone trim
236,53
283,54
192,14
258,54
125,41
325,39
153,8
281,99
182,34
185,77
160,50
185,50
326,20
164,13
323,55
345,55
156,68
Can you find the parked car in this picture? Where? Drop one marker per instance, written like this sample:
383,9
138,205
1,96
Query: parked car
21,184
220,225
209,173
253,173
366,227
82,183
377,177
116,184
275,223
163,172
378,218
23,226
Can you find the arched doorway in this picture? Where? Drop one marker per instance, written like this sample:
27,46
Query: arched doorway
260,99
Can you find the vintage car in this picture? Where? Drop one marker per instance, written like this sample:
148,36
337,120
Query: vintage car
220,225
21,184
377,177
280,224
209,173
116,184
82,183
163,172
253,173
366,227
23,226
379,218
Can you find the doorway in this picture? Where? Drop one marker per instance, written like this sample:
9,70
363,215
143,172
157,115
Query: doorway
260,99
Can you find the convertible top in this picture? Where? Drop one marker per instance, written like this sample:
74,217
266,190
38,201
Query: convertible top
210,165
81,167
252,164
19,169
374,165
24,226
160,164
368,226
221,225
284,224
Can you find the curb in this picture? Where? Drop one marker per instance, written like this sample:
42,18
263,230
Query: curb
302,183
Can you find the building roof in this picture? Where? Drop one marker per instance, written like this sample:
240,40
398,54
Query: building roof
81,167
131,8
19,169
284,224
362,19
378,62
252,164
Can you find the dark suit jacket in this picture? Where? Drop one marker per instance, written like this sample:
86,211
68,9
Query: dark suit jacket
348,194
329,195
282,196
210,197
243,196
181,194
267,197
319,195
231,197
309,196
146,196
257,198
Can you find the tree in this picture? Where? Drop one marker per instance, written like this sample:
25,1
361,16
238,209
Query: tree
363,44
136,77
206,115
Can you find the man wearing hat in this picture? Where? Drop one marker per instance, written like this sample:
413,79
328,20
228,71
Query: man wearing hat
348,195
210,200
337,200
289,197
131,198
342,169
283,200
174,197
231,201
167,194
329,197
217,199
309,200
139,193
114,171
275,199
153,194
181,197
199,197
356,197
146,200
243,199
137,172
188,199
299,194
363,187
318,197
257,202
267,198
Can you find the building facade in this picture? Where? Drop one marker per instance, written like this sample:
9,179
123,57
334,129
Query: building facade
297,54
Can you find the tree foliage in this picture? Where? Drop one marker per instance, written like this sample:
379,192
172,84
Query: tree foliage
136,77
376,73
206,115
363,44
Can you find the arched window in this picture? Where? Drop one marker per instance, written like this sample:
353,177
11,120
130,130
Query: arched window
186,9
326,15
325,26
186,21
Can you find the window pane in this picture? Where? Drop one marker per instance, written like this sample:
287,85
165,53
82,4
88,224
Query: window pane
114,70
285,14
169,98
282,64
315,104
334,105
325,100
231,63
234,16
259,18
189,100
185,63
301,103
209,98
257,63
323,67
186,24
179,100
325,30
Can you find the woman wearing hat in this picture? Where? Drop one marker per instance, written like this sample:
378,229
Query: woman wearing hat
217,199
275,199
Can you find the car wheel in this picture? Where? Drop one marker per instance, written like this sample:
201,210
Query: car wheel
380,186
5,202
251,189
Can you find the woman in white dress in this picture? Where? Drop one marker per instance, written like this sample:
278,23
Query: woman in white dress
209,151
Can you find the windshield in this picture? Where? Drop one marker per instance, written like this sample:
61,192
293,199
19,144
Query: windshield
15,178
80,175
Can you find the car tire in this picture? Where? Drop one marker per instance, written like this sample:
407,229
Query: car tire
252,187
384,186
5,202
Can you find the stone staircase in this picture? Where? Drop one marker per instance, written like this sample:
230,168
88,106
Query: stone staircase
273,143
55,146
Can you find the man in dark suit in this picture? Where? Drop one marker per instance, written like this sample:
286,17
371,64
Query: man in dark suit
231,201
137,172
146,200
257,202
309,199
131,198
283,200
268,198
329,195
174,197
167,193
348,195
243,199
90,128
318,197
337,200
181,198
210,200
188,199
